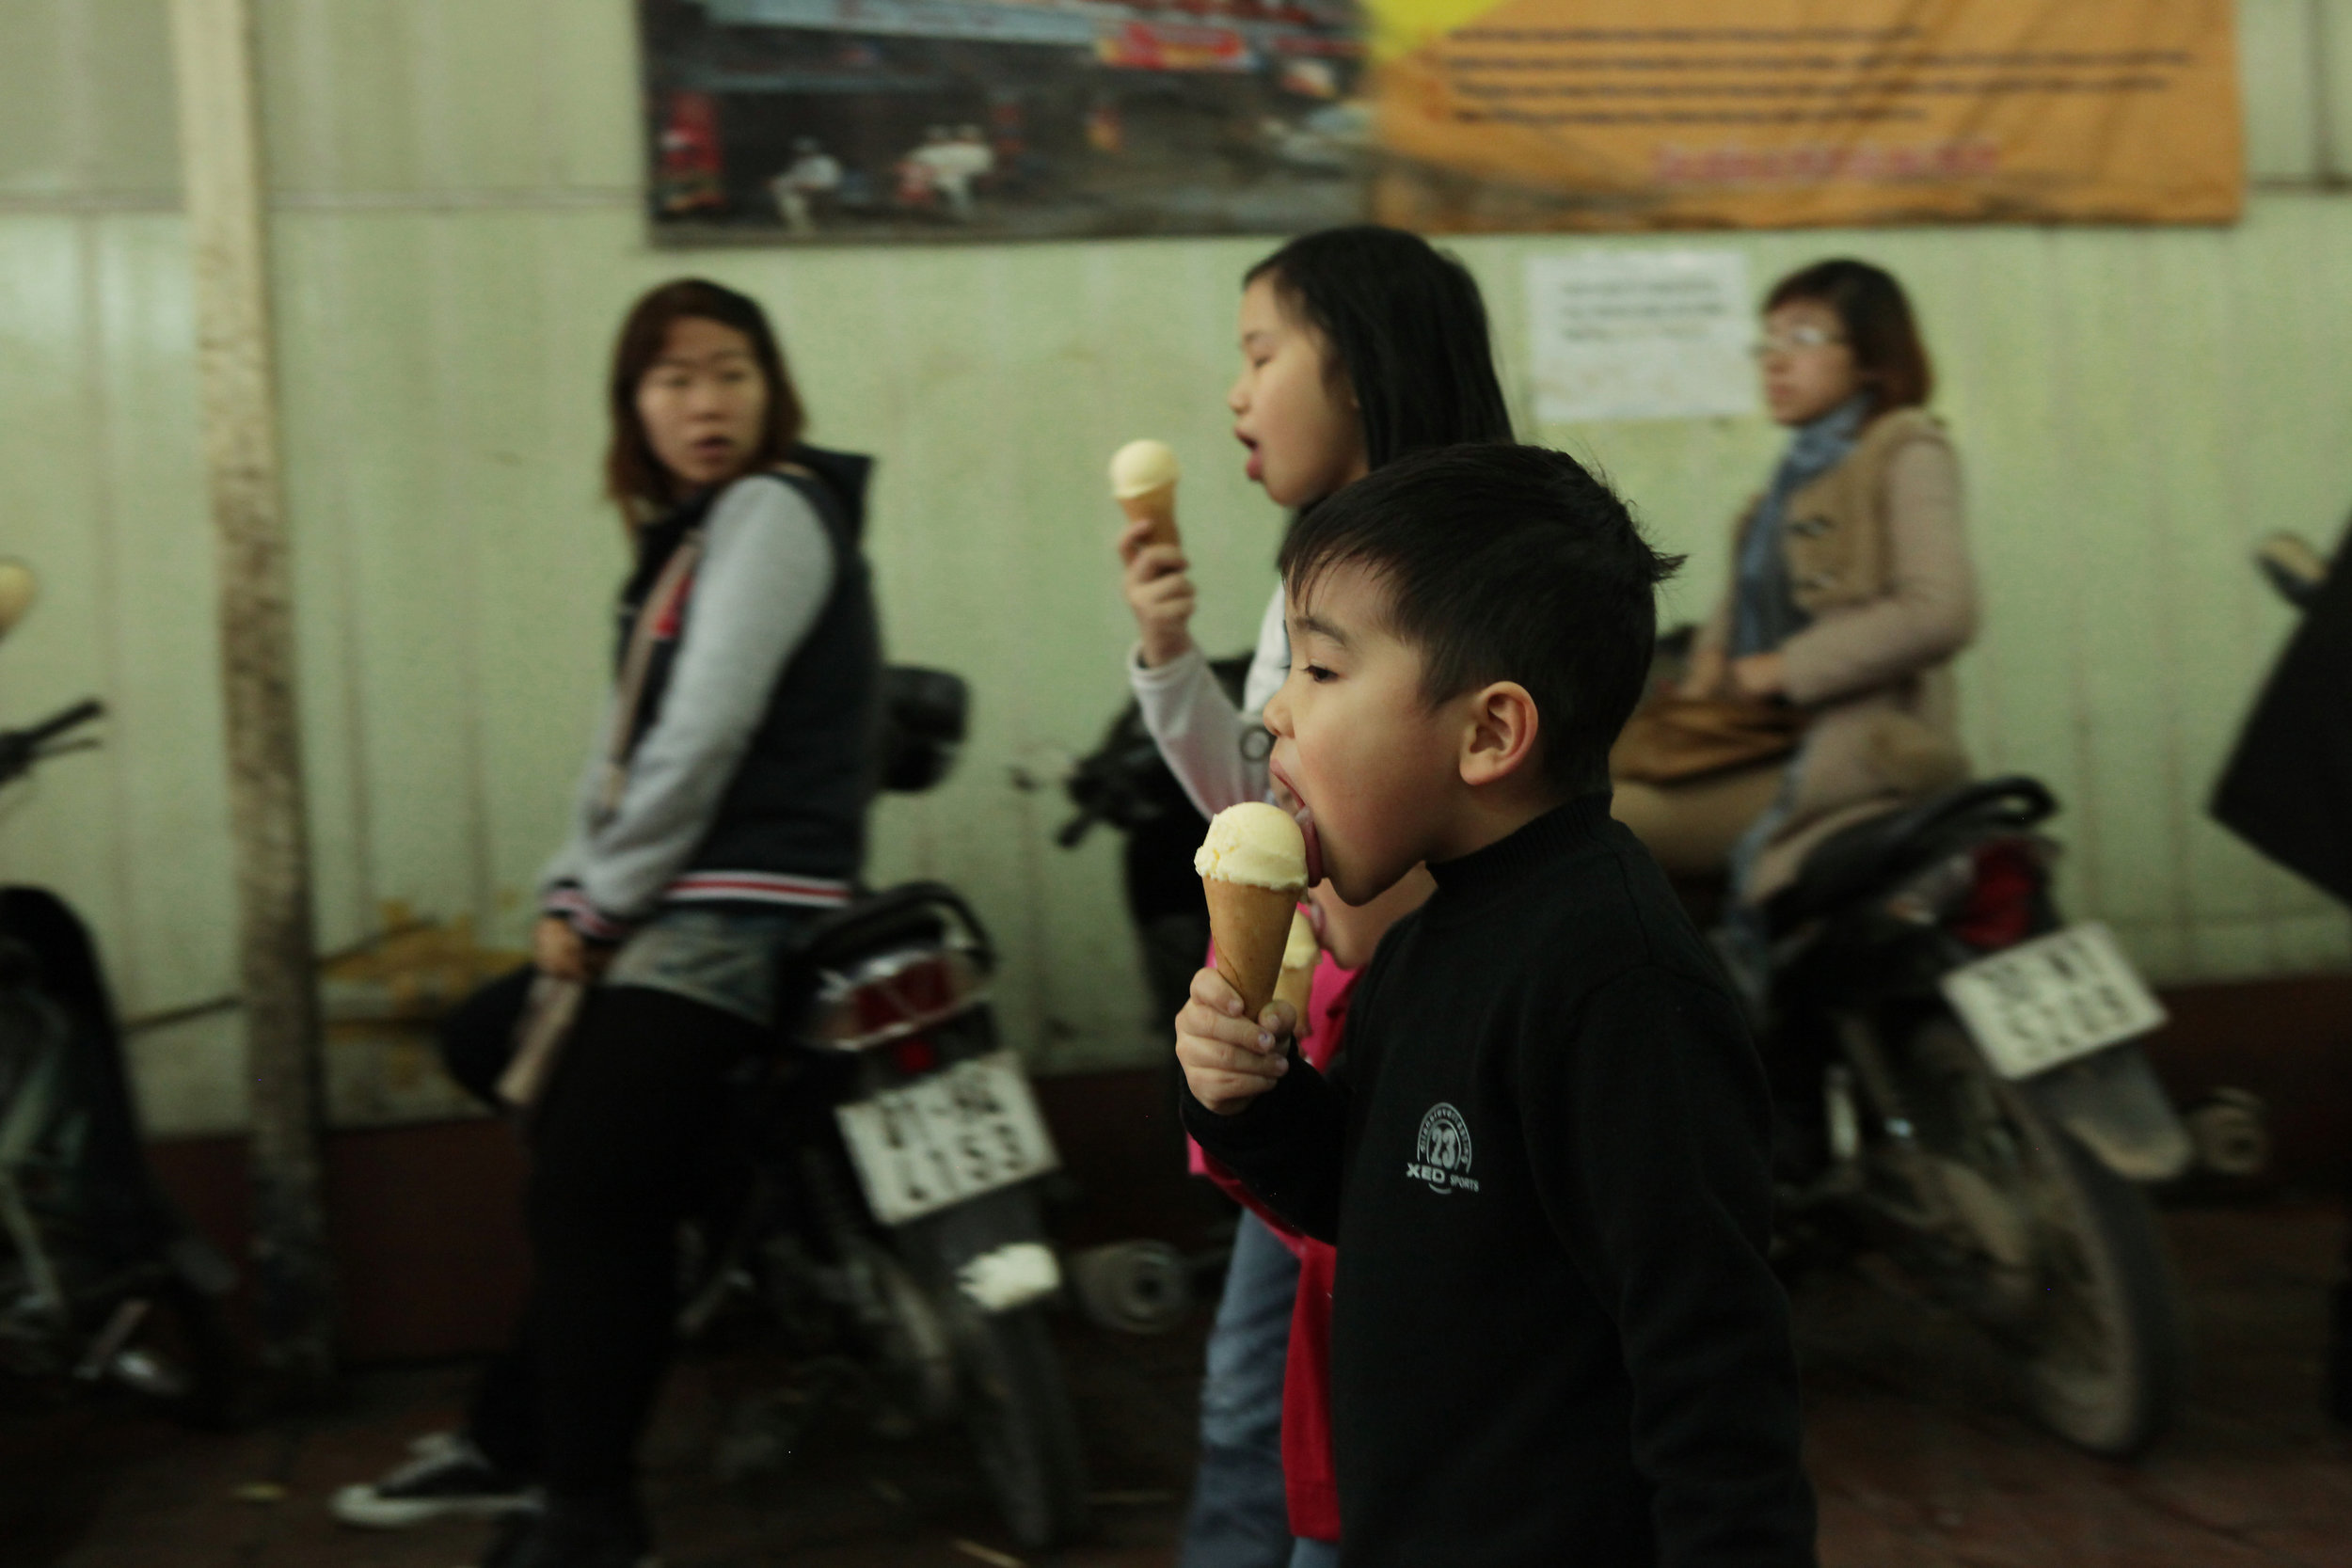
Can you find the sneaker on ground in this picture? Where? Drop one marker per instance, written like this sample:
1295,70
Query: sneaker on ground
447,1476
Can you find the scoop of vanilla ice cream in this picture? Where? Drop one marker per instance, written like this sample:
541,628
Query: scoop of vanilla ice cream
1254,843
1141,465
1300,951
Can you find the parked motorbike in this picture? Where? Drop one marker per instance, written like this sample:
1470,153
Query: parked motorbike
100,1279
1959,1092
893,1226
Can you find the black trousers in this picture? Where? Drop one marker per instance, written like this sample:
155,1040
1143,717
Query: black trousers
621,1151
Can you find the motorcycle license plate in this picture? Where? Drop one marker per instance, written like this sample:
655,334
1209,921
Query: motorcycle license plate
2046,1002
969,1130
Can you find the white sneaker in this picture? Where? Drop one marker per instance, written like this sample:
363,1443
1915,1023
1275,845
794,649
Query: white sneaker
448,1478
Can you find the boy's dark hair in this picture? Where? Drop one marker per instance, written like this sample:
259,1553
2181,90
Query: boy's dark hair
1875,314
1554,587
1406,327
633,476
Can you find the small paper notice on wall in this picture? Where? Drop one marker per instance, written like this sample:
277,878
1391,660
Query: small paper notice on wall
1644,334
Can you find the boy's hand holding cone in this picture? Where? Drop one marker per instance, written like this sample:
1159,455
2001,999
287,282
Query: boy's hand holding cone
1253,868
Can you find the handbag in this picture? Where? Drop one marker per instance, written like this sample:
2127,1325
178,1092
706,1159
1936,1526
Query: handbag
1673,738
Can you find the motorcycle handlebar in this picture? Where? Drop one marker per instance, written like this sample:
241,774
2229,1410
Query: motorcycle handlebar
65,719
2296,570
21,749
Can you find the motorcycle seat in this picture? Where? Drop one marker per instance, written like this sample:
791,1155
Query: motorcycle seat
1872,853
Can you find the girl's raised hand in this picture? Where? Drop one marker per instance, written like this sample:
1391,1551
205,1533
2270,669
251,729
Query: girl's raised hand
1131,539
1158,591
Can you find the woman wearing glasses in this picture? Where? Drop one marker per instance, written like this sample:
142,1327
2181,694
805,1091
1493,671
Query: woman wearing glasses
1851,593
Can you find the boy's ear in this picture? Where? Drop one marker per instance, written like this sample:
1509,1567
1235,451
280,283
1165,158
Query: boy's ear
1499,737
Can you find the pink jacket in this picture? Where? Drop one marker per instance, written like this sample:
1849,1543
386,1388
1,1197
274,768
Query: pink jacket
1308,1474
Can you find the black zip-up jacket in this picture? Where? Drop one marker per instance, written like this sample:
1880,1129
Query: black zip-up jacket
1555,1338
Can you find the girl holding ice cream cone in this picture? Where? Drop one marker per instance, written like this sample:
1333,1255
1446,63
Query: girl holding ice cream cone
1359,344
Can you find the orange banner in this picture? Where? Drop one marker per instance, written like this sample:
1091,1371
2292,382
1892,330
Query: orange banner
1645,114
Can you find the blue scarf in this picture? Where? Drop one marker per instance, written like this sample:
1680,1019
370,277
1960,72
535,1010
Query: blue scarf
1764,609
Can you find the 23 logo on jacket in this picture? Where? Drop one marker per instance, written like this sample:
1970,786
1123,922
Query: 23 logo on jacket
1441,1155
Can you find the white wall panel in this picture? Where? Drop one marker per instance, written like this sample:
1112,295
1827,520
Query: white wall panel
458,236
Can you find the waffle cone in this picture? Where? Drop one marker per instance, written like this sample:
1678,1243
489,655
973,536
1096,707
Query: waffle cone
1250,926
1158,505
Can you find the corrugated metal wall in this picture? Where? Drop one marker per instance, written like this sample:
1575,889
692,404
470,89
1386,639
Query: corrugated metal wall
457,233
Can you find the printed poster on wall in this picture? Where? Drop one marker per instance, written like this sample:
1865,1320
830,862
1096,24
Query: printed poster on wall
862,120
1640,333
1629,113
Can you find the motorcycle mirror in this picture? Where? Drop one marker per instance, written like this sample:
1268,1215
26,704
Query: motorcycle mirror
19,588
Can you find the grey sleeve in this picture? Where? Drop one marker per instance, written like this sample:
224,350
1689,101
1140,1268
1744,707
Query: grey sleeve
767,571
1200,733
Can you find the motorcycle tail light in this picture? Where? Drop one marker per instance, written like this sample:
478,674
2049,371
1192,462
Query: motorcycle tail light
1999,909
914,1056
893,997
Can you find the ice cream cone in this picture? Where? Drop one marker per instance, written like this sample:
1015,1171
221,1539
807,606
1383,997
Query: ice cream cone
1293,986
1299,954
1159,506
1250,926
1143,482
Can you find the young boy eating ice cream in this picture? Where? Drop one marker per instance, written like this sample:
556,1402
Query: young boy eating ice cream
1555,1337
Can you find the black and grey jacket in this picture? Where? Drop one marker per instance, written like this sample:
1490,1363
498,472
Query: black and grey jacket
750,761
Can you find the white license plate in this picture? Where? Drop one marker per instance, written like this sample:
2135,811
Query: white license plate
2046,1002
969,1130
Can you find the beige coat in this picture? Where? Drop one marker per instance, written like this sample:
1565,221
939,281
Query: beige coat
1878,557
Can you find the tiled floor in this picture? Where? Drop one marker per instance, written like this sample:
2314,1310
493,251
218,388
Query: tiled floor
1920,1462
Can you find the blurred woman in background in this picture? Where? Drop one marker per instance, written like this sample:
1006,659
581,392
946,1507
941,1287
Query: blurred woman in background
1851,593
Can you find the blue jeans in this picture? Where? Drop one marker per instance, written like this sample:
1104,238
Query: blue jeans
1315,1554
1240,1515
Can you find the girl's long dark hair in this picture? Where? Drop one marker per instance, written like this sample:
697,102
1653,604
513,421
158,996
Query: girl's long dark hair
633,476
1406,325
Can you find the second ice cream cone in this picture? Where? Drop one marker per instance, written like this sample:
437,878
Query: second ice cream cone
1298,981
1250,926
1293,986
